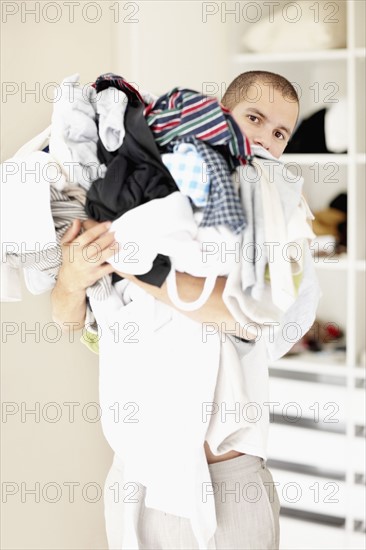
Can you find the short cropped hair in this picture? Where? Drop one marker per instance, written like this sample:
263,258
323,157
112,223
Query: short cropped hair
238,89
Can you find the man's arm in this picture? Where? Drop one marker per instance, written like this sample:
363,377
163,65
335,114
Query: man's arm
68,307
189,288
76,274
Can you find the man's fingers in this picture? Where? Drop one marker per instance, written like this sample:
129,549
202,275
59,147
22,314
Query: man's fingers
89,223
94,232
99,250
72,232
105,241
109,252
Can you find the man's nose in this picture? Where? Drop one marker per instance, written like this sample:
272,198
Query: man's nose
262,140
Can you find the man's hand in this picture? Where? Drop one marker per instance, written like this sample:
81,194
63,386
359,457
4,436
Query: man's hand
84,255
83,263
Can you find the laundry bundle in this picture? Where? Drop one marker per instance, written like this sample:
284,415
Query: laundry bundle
185,192
182,186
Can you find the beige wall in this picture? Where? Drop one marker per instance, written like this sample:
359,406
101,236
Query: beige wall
171,45
35,54
166,46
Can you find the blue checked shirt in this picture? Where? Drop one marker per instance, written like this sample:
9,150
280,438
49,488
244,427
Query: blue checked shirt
189,172
223,206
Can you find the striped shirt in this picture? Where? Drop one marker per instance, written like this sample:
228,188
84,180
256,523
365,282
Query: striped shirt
182,112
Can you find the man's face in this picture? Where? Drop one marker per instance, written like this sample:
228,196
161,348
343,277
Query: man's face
267,118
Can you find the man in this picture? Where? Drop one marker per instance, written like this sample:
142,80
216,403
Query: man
266,108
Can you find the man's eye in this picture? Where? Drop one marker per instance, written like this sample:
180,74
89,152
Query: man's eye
253,118
279,135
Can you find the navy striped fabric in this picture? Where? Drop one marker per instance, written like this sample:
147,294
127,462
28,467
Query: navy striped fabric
183,112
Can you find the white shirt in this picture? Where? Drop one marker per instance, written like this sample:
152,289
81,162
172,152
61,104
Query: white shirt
180,384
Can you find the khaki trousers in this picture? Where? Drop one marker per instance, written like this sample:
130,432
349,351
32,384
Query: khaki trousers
247,512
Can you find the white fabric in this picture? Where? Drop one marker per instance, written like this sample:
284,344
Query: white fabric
172,290
282,286
74,134
270,200
166,226
287,329
299,318
153,227
184,394
293,24
111,105
219,250
300,233
335,126
278,216
37,282
239,418
26,219
17,224
168,371
177,376
287,259
214,250
261,239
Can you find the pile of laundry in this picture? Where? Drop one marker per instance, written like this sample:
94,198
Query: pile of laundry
183,188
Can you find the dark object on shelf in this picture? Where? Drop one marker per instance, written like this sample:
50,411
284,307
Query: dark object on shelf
311,136
340,204
333,221
321,335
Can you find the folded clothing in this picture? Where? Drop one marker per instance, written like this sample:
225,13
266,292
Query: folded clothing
74,134
188,170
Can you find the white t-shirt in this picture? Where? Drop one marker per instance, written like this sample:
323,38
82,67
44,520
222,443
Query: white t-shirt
167,384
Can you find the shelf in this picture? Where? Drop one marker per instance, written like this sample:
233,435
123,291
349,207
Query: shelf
291,57
318,363
361,265
360,53
314,363
339,263
333,263
316,55
323,77
359,371
298,533
311,158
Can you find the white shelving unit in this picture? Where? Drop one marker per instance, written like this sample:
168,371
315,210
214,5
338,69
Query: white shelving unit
322,449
